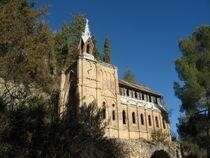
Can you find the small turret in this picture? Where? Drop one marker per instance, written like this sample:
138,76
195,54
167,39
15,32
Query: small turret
86,44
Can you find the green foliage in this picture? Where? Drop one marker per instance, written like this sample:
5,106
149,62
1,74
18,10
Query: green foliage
67,40
107,51
2,2
23,129
30,54
191,150
194,129
193,68
31,58
129,76
159,136
96,52
30,131
87,139
26,45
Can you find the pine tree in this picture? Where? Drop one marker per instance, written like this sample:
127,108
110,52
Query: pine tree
193,68
67,41
129,76
107,51
95,49
26,45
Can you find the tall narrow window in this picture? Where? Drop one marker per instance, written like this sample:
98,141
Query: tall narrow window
136,95
164,125
88,49
124,117
127,92
104,110
104,113
113,115
131,93
156,101
133,117
149,120
121,91
142,119
150,98
142,96
156,121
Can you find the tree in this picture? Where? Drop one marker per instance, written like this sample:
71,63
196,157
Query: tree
26,45
67,41
107,51
193,68
129,76
32,57
96,53
160,136
29,131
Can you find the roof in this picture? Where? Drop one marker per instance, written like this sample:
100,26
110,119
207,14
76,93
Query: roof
139,87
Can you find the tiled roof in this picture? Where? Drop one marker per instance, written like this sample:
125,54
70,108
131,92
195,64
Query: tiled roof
139,87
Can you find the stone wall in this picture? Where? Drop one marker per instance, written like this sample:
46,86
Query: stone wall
98,82
137,123
145,149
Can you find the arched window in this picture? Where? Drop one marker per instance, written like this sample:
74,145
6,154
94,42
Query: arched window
104,110
142,119
136,95
149,120
150,98
127,92
113,115
88,48
104,103
124,117
156,121
142,96
160,153
104,113
82,45
156,100
164,125
121,91
133,118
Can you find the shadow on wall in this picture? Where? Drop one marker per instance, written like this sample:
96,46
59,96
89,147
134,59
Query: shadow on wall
160,154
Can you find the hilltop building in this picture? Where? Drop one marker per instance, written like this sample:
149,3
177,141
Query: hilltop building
133,111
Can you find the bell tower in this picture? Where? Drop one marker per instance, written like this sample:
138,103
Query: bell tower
86,44
97,82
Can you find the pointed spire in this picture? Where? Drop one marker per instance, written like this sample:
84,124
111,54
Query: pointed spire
86,34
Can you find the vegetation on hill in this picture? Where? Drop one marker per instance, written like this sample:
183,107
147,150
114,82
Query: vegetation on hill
26,45
31,60
32,130
66,42
193,68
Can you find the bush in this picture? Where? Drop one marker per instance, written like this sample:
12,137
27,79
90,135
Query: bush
30,131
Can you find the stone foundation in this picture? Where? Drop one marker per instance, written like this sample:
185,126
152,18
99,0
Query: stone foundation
145,149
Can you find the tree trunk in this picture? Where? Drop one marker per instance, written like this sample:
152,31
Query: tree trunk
64,91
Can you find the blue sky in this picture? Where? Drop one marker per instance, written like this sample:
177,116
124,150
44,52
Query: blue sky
144,35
